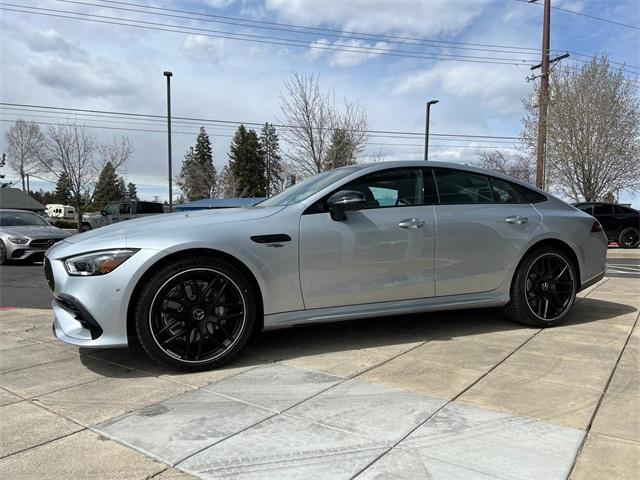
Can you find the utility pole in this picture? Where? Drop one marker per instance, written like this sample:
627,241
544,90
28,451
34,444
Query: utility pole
168,75
268,146
28,189
426,129
543,101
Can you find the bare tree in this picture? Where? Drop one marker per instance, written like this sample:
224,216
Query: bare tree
314,120
25,143
69,149
118,153
593,133
515,165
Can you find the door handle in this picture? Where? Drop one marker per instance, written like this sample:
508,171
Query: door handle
517,220
411,223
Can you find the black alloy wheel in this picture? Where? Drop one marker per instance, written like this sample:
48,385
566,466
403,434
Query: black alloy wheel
3,253
196,316
629,238
543,289
550,286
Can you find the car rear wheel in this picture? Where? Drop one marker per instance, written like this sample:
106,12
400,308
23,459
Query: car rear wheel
629,238
543,289
195,314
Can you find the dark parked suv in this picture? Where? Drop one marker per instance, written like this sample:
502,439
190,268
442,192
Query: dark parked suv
621,224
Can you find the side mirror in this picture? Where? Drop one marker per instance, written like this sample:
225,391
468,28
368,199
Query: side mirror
343,201
103,213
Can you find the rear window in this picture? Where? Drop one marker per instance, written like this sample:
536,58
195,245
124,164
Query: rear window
602,209
150,207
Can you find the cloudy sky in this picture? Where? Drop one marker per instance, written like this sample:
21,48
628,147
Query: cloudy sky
230,57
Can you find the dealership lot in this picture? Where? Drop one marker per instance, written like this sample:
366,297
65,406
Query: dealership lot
461,394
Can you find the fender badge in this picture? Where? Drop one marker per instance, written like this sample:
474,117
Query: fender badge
275,245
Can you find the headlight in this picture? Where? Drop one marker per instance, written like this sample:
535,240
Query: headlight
19,241
97,263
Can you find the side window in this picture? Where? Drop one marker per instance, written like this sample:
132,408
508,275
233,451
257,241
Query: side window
620,210
586,208
125,208
602,210
390,188
530,196
149,207
458,187
112,208
505,192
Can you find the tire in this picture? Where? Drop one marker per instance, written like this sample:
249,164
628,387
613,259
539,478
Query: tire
85,227
3,253
195,314
629,238
545,279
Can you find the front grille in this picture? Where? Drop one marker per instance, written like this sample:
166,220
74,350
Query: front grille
48,274
43,242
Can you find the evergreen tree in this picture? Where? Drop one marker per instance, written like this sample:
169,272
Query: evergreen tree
110,187
341,150
274,172
62,193
246,164
198,175
132,191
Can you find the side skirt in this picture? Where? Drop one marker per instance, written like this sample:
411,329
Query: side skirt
369,310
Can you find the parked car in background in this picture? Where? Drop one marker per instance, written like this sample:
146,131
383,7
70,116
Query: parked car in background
356,242
25,236
620,223
57,210
119,211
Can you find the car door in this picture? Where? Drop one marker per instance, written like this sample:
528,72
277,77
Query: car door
383,252
483,224
611,225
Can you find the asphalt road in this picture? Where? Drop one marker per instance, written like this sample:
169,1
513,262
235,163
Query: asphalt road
25,286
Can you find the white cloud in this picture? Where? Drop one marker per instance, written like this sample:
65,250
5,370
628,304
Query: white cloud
345,53
204,48
417,17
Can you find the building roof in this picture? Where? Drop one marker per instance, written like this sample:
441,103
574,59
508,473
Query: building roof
207,203
17,199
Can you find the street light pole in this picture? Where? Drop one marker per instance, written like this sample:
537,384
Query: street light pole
168,75
426,129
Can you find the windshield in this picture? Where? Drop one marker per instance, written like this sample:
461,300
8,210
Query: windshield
303,190
21,219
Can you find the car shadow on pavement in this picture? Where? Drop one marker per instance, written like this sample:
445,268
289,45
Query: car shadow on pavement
384,336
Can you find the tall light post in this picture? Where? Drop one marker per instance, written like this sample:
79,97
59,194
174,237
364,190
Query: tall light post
426,129
168,75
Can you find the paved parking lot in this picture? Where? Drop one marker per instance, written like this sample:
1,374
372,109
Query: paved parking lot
446,395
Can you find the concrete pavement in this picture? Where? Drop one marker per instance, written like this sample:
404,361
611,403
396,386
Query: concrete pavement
446,395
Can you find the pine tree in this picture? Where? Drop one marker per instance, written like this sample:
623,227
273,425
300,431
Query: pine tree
132,191
198,175
341,150
274,172
62,193
246,164
110,187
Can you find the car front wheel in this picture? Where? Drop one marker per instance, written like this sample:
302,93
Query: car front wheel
629,238
195,314
543,289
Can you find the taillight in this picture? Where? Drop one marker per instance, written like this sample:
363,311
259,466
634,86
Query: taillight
596,227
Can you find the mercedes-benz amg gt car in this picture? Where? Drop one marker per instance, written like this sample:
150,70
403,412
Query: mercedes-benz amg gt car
355,242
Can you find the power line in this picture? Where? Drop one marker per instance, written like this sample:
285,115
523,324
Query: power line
235,122
146,25
238,21
592,17
104,127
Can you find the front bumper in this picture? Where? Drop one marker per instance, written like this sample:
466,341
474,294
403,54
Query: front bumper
26,253
92,311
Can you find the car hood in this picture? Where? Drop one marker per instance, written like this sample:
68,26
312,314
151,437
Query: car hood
35,231
174,221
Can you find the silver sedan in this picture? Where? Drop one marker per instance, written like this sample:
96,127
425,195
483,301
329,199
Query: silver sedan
25,236
355,242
